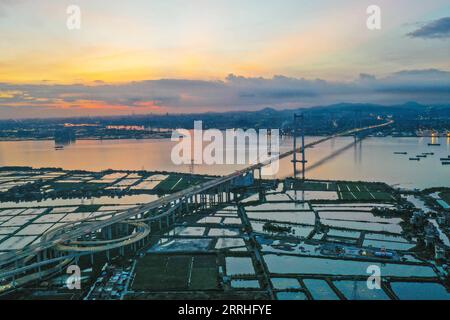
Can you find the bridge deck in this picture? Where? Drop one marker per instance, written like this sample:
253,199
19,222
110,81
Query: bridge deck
83,229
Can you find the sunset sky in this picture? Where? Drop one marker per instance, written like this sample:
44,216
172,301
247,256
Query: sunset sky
211,55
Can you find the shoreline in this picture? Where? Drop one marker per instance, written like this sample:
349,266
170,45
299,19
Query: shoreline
84,139
168,137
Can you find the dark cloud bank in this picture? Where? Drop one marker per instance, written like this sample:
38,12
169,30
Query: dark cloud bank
437,29
234,93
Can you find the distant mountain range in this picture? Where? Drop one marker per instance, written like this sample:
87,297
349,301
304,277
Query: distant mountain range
409,116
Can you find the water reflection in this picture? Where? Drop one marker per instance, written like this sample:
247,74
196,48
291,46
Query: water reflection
372,159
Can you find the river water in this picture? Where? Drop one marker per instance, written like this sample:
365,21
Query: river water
372,159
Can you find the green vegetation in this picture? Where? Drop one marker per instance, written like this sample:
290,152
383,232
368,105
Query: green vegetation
69,186
176,272
88,208
66,186
175,183
315,186
445,196
350,191
204,273
364,191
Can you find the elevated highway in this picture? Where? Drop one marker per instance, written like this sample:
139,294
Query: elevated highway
67,241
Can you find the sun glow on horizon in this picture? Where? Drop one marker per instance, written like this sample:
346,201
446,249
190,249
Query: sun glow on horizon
122,43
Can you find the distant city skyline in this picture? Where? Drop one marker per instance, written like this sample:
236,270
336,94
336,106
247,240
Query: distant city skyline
196,56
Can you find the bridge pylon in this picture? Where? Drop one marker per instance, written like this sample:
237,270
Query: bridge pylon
299,127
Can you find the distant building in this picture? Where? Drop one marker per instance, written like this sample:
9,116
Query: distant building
439,251
431,235
418,219
65,135
443,219
432,133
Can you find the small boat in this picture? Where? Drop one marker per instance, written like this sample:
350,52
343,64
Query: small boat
415,159
445,159
434,144
59,147
421,156
400,152
446,163
428,153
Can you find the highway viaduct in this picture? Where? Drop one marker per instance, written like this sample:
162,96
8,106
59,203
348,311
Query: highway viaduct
129,230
